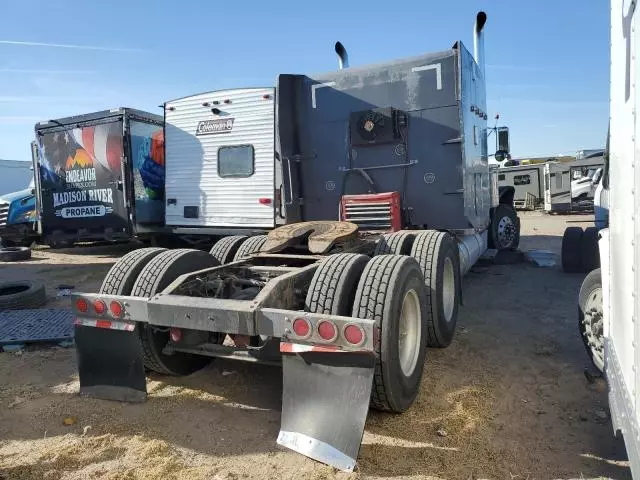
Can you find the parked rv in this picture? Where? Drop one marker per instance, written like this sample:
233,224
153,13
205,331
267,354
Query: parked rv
570,186
527,181
100,176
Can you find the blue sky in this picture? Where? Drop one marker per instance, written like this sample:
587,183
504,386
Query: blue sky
547,61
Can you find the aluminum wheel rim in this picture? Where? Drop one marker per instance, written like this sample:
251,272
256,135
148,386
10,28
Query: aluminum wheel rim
410,332
448,289
594,325
506,231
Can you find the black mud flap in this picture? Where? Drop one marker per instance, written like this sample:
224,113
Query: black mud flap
325,401
110,364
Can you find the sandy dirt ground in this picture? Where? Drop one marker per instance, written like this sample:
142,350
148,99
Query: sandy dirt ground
507,400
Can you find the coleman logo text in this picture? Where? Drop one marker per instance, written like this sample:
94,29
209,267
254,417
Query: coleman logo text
209,127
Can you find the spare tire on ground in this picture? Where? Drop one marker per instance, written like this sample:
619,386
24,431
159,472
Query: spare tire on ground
14,254
21,294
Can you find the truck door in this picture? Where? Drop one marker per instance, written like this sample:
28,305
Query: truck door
81,184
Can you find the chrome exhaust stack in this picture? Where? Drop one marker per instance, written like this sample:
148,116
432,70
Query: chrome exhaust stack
478,40
343,56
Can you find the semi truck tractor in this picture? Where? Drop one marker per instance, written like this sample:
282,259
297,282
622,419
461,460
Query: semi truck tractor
352,203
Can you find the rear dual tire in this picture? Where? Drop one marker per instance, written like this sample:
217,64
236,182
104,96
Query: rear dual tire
155,277
580,253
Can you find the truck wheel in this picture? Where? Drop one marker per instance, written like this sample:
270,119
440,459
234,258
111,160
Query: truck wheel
589,252
250,246
14,254
590,317
123,274
225,249
155,277
438,257
21,294
398,243
333,286
505,228
391,291
571,241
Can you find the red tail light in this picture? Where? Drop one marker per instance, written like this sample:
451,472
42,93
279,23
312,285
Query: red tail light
100,307
264,201
116,309
82,305
327,330
354,334
175,334
227,101
301,327
266,96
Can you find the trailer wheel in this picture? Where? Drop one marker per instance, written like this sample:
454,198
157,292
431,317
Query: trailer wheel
398,243
225,249
155,277
123,274
333,286
589,252
438,257
505,227
571,241
590,317
391,291
250,246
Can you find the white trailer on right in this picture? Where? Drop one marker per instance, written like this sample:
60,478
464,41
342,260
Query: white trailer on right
609,300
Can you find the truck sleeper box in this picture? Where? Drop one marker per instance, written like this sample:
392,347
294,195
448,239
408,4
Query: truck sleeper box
100,176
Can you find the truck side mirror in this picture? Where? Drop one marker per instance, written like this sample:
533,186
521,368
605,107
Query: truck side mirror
503,139
500,155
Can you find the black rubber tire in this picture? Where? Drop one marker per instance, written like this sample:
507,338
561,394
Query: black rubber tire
381,291
250,246
14,254
501,211
589,252
155,277
124,273
590,322
6,242
571,241
21,294
396,243
333,286
225,249
431,249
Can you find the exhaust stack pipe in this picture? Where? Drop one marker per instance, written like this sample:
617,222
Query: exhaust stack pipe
343,57
478,40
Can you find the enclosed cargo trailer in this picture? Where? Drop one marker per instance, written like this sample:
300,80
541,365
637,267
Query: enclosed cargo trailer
100,176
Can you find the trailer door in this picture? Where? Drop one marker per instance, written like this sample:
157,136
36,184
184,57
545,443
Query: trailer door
81,183
220,159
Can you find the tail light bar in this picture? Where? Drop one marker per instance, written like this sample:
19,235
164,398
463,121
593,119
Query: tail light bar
325,331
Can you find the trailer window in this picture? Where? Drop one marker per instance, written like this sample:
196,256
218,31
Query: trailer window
522,180
501,177
236,161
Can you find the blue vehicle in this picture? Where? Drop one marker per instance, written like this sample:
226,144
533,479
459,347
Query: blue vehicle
18,219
